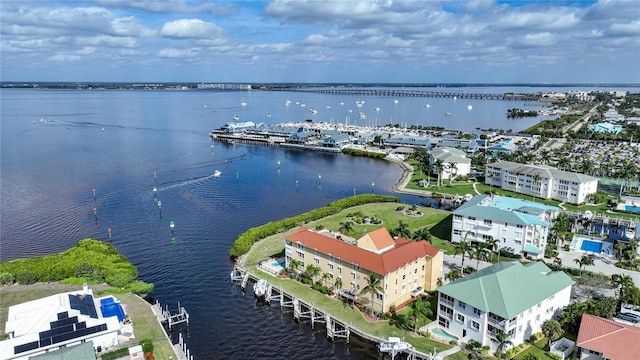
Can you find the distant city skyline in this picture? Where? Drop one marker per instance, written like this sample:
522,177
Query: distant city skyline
359,41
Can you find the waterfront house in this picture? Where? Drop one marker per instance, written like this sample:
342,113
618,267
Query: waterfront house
450,156
469,146
57,321
600,339
520,226
507,296
403,266
541,181
606,127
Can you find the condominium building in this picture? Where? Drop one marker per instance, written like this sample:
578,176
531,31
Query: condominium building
520,226
541,181
402,266
506,296
451,156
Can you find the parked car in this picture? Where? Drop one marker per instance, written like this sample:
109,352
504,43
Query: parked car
628,317
417,291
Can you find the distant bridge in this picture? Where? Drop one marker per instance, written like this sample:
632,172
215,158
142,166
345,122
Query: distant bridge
419,93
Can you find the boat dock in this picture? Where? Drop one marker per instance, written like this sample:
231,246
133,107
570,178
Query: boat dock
164,316
304,311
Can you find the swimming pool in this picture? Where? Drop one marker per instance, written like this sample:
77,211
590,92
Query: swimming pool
631,208
592,246
443,334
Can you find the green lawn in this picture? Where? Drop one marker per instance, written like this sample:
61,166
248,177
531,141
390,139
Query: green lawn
536,350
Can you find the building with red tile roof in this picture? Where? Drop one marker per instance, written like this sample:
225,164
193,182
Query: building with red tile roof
402,265
600,338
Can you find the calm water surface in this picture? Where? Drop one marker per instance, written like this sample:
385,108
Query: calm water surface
59,145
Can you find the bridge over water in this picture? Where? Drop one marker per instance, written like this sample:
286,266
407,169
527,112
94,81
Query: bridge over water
420,93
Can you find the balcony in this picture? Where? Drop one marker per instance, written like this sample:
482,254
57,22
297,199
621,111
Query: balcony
445,315
446,302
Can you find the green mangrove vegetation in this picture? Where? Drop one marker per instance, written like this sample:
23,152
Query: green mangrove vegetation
90,261
244,242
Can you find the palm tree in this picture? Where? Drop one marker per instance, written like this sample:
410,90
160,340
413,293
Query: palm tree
374,286
438,165
494,245
462,248
313,271
422,234
452,275
325,277
402,230
346,227
419,309
481,252
453,170
583,261
338,284
503,342
552,330
536,181
294,265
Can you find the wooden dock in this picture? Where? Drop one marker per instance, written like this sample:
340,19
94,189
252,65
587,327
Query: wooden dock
304,311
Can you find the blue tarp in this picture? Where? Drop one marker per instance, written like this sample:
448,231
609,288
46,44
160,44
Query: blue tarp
110,308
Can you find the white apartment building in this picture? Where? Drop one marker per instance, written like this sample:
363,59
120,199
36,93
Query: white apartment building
449,156
506,296
520,226
541,181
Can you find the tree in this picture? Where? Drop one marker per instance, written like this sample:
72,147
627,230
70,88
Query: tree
438,165
374,286
494,245
294,266
453,275
571,315
338,284
536,182
480,251
419,309
402,230
346,227
453,170
552,330
584,261
313,271
422,234
462,248
325,278
503,342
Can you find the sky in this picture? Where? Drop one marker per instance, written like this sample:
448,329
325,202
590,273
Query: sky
346,41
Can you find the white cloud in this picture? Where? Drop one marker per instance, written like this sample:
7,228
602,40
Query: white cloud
178,53
190,29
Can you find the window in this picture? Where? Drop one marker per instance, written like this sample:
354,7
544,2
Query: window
538,318
300,254
475,325
415,271
353,275
339,269
461,304
457,217
404,276
317,260
488,222
460,318
472,217
476,311
331,267
300,246
356,267
331,258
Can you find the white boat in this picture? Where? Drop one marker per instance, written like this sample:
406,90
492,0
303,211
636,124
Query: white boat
427,106
217,173
236,117
268,116
447,113
394,344
260,288
377,109
243,103
630,233
469,107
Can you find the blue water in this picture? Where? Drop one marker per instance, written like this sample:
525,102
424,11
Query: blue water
592,246
114,141
631,208
444,334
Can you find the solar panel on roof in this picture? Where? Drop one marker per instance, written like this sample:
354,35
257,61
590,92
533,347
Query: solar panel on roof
26,347
63,315
84,304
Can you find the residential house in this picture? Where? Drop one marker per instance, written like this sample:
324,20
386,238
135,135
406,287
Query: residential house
448,156
58,321
406,140
520,226
506,146
604,339
507,296
402,265
541,181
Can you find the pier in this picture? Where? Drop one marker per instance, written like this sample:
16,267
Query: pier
164,316
304,311
420,93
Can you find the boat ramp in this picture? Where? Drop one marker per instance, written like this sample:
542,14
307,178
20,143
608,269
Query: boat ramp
337,329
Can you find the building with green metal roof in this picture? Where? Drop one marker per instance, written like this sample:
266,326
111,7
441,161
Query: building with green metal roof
506,296
520,226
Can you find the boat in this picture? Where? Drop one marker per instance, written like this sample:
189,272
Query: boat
394,344
362,115
236,117
243,103
313,110
268,116
260,288
427,106
469,107
217,173
447,113
630,233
